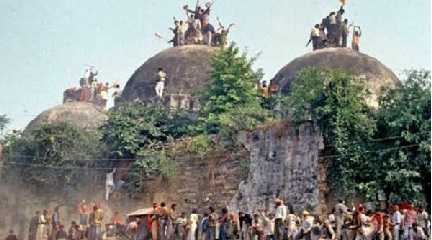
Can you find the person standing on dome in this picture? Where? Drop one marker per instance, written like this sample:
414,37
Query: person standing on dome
322,37
314,37
356,39
182,29
344,32
221,37
207,30
160,84
331,30
176,31
339,22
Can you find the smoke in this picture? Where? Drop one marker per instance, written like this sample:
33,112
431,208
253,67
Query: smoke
18,204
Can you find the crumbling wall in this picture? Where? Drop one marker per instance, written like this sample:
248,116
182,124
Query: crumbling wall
198,183
283,163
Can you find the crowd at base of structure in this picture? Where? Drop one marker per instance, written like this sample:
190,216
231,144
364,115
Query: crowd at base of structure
399,222
198,30
333,31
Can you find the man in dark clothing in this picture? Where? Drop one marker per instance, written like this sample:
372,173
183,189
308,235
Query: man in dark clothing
175,31
61,233
332,29
33,226
11,236
338,31
208,31
344,32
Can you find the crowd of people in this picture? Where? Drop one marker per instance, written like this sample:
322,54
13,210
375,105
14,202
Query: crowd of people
197,29
163,222
91,90
333,31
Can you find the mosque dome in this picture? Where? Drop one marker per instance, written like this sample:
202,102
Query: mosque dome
188,69
376,74
79,114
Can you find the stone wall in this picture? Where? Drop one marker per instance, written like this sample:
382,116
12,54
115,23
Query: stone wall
283,163
198,183
279,159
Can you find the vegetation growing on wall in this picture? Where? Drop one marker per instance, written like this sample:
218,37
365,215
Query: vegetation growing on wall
369,150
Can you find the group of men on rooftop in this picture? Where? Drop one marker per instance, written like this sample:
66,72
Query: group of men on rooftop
333,31
197,29
91,90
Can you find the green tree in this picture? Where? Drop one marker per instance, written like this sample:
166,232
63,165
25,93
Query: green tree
335,100
51,154
404,121
134,126
141,133
230,102
4,121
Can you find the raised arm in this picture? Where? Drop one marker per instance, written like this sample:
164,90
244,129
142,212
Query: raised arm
230,26
207,11
219,22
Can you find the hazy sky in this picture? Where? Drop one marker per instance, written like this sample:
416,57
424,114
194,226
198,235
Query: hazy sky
45,44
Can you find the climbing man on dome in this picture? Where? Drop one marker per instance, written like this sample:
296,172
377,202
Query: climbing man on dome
160,84
263,89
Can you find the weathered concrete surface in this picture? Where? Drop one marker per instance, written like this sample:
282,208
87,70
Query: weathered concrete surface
283,163
375,74
79,114
188,69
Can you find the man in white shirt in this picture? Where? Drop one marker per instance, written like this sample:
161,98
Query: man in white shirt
306,227
340,212
182,32
422,219
280,216
314,37
160,85
396,221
